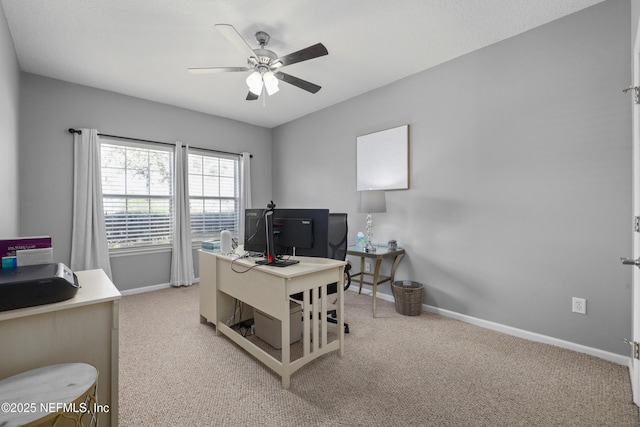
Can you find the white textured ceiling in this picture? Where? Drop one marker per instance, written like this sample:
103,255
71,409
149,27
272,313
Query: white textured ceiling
143,48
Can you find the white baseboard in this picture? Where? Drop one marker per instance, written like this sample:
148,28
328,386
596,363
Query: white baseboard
151,288
509,330
145,289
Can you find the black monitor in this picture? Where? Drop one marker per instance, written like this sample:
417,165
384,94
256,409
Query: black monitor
297,226
303,232
293,232
254,231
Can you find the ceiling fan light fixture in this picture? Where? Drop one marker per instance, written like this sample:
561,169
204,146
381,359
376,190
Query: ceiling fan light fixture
254,81
270,82
262,63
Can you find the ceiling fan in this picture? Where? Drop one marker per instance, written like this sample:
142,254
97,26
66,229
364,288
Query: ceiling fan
265,64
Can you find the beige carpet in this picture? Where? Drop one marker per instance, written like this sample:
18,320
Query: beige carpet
397,370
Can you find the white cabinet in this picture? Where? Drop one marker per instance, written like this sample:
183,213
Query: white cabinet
83,329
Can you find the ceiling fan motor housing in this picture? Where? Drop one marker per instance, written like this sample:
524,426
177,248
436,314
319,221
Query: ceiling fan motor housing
265,58
263,38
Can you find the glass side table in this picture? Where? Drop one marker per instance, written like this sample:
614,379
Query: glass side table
380,253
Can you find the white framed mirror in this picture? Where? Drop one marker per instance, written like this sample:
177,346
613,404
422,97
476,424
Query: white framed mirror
382,160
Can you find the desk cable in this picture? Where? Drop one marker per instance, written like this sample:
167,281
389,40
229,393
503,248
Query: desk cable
245,256
241,257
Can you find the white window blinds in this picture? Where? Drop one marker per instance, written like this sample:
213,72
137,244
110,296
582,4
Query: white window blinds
136,187
214,194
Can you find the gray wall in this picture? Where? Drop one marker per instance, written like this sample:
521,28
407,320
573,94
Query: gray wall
635,13
49,107
9,106
520,193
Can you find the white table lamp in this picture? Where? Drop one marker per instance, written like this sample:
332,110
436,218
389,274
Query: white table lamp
369,202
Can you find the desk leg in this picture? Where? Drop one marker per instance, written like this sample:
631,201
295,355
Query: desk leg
285,332
341,312
219,298
361,273
376,274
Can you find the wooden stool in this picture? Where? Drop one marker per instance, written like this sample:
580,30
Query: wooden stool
56,395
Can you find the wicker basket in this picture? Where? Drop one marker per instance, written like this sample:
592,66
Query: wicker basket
408,296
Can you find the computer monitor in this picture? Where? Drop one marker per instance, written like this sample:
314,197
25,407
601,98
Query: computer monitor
254,231
297,226
293,232
303,232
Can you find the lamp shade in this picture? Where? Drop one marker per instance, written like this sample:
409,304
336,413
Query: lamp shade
372,201
270,82
254,81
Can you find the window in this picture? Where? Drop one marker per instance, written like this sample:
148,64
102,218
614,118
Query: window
137,194
137,191
214,195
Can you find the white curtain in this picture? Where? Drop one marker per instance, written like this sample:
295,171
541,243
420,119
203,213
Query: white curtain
181,257
89,248
245,192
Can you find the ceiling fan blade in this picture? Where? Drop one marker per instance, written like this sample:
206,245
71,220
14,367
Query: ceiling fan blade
231,34
209,70
302,84
303,55
252,96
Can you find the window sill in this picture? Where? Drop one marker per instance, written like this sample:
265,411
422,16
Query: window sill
121,252
114,253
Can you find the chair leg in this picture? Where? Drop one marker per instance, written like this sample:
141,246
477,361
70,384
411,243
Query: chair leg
335,322
331,318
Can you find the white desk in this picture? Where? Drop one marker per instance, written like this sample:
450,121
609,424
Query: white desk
81,329
268,289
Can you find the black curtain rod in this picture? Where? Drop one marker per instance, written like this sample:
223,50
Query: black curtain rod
79,132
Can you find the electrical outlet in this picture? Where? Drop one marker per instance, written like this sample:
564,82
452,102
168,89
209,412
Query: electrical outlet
367,267
579,305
